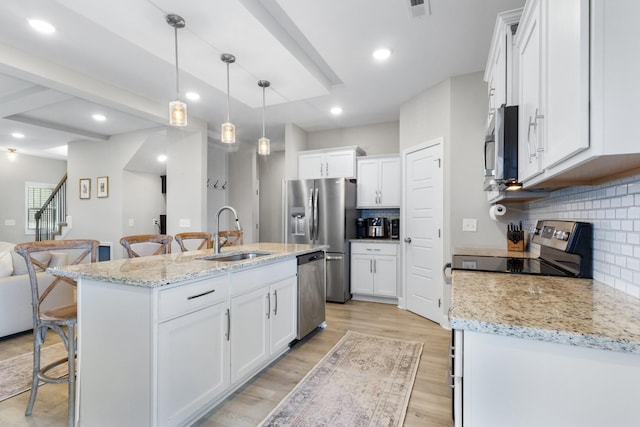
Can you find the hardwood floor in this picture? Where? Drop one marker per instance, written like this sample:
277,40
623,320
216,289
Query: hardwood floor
430,403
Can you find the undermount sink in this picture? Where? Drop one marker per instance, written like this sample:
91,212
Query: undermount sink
235,257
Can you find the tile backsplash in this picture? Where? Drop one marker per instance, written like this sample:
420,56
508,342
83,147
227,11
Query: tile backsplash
614,210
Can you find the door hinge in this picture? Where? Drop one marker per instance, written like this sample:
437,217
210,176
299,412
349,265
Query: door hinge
439,233
439,162
439,302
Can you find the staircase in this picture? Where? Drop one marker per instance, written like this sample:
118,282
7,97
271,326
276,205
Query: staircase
51,218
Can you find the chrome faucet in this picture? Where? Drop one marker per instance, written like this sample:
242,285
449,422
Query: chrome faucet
216,237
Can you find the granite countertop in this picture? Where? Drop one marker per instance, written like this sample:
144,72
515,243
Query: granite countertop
580,312
160,270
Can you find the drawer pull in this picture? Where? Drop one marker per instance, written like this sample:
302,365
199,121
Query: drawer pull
202,294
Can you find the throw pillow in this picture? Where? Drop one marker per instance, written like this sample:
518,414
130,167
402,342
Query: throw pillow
6,264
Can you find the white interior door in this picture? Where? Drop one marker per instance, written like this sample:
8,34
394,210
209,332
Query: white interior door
423,255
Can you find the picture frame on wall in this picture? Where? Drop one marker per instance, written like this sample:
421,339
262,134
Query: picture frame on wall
103,186
85,188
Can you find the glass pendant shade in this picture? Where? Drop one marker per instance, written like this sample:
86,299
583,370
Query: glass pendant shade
228,133
177,113
264,146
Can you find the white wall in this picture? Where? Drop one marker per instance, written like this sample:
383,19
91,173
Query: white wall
295,139
13,176
381,138
270,169
242,192
216,173
468,199
107,219
187,179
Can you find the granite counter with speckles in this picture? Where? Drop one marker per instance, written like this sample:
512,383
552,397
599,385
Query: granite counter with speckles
160,270
580,312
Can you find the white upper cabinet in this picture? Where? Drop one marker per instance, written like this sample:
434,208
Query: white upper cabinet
531,110
578,100
378,182
501,73
331,163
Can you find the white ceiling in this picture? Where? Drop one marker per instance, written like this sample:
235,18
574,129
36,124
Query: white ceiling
118,58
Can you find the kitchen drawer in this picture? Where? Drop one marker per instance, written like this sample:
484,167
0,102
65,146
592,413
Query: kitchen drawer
374,248
262,275
193,296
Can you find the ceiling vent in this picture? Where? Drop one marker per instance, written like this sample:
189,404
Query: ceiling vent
417,8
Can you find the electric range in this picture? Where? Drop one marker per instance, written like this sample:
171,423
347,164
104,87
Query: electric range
565,251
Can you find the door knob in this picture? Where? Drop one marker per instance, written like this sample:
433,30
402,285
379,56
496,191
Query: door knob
407,239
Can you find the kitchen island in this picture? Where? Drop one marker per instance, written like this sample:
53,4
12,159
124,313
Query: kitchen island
163,339
538,350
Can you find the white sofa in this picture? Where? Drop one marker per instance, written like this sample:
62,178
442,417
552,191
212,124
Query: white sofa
15,290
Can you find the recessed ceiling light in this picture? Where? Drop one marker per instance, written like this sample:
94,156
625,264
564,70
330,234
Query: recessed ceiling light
17,135
42,26
336,111
162,158
192,96
99,117
382,54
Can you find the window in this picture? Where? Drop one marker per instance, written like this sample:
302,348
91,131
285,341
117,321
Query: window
36,194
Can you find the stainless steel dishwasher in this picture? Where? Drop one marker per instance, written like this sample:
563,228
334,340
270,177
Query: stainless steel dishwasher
311,292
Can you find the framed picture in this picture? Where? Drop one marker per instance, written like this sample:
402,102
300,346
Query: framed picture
85,188
103,186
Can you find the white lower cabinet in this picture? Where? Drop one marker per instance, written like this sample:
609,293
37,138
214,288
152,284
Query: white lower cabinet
510,381
263,320
193,362
249,327
374,269
179,350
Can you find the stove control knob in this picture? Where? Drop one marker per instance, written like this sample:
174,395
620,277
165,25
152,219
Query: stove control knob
561,235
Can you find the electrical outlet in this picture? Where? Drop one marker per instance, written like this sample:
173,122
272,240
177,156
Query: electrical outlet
156,222
469,224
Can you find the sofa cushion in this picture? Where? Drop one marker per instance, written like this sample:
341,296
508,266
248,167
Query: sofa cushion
20,266
6,264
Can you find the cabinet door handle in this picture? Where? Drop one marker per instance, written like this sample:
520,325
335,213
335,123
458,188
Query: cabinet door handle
275,306
370,266
268,305
228,325
375,261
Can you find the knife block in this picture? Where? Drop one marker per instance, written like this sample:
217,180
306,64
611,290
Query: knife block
515,241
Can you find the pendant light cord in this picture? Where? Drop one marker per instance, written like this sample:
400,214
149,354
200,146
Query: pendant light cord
228,113
263,109
175,32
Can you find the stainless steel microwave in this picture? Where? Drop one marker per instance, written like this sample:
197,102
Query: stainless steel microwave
501,149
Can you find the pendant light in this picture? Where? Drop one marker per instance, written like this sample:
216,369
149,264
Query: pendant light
12,155
264,145
228,130
177,108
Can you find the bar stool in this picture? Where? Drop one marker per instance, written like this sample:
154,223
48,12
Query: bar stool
56,318
203,237
147,244
230,238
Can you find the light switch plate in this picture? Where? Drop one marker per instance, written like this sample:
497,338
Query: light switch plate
132,223
184,222
469,224
9,222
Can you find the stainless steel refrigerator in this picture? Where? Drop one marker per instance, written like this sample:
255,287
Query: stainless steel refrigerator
323,212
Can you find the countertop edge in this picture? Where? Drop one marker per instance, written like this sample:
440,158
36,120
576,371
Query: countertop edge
547,335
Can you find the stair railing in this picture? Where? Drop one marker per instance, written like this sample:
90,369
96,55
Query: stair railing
53,213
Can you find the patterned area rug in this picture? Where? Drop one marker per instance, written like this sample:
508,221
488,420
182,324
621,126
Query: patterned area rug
15,373
364,380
